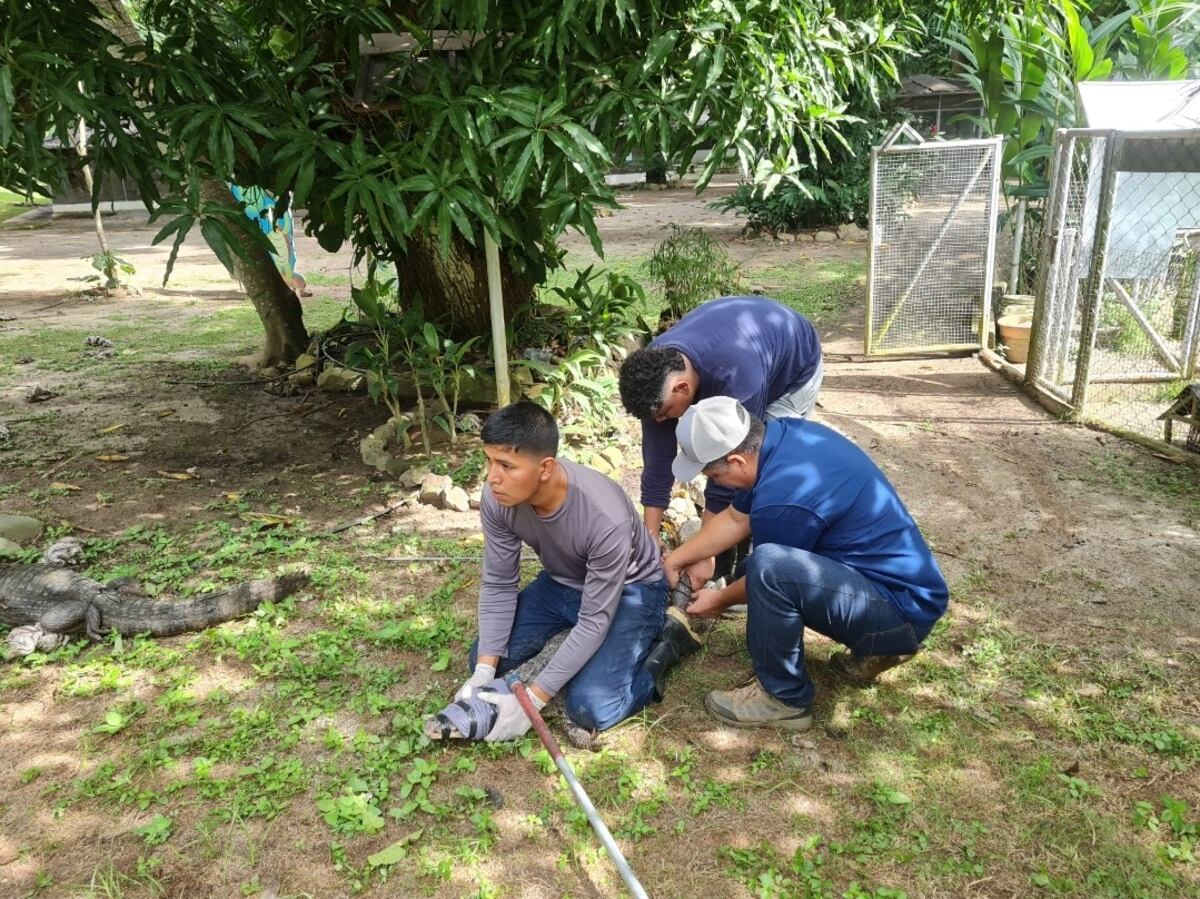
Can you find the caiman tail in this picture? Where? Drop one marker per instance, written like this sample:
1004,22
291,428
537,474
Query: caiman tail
166,617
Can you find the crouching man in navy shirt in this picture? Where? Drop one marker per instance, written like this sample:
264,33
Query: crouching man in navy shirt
835,550
754,349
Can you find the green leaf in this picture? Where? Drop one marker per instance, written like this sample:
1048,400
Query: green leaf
215,237
517,178
396,852
587,140
658,50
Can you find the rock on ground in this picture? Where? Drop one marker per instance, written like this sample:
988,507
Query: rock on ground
19,528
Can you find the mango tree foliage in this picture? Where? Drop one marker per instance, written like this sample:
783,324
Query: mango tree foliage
513,133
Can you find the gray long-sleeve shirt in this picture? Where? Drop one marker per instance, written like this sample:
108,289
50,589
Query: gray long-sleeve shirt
595,543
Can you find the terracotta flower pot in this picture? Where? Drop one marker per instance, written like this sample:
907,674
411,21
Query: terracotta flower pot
1014,334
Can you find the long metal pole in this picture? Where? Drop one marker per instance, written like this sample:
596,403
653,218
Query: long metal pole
491,254
875,229
1014,272
1050,257
1188,348
989,267
1093,297
581,797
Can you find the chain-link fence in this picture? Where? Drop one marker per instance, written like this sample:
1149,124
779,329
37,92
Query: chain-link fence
933,230
1115,333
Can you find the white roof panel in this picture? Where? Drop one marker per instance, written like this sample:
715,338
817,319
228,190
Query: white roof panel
1140,105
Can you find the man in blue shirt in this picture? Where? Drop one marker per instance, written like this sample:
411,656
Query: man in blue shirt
763,354
834,550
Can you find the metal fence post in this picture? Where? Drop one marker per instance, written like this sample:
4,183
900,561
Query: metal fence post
990,258
1190,343
871,241
1052,224
1093,298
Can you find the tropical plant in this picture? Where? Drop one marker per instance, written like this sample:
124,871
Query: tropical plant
602,310
381,355
691,267
578,389
1025,67
443,363
111,266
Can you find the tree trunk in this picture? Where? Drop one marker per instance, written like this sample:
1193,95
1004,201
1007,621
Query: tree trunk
455,288
277,305
81,148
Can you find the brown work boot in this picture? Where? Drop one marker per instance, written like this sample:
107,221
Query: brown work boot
863,670
752,706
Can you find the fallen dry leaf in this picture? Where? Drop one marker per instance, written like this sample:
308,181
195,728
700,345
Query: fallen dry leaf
68,488
177,475
112,457
265,518
112,429
165,412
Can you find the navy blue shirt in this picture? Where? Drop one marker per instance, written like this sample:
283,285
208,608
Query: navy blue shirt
819,492
750,348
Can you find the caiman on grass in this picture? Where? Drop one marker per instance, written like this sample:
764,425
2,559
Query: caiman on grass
46,603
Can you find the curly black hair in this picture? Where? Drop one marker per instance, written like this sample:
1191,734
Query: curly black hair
643,377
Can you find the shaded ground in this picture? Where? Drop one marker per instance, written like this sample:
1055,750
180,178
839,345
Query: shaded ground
1043,745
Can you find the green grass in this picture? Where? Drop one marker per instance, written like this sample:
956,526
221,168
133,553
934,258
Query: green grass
12,204
992,757
227,333
1132,474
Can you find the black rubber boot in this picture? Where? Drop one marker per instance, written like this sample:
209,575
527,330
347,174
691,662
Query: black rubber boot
676,642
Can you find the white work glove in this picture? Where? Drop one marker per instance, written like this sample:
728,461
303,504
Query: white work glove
484,674
512,721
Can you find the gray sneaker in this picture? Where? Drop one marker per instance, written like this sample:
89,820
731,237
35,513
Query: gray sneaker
752,706
863,670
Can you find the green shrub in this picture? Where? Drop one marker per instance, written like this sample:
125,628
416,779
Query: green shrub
835,192
692,268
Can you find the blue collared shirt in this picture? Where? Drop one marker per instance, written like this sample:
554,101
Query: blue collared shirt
819,492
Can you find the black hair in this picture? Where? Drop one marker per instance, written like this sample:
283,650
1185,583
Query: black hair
523,427
750,444
643,379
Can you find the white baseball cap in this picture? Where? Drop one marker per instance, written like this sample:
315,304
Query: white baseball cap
708,431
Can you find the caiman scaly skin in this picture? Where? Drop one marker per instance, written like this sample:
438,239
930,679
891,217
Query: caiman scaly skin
62,601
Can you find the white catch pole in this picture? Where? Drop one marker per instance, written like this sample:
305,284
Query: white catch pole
491,254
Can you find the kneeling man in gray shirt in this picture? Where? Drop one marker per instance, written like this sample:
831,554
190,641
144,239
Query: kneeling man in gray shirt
602,579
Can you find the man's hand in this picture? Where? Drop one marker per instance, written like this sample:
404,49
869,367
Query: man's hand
707,603
511,722
700,573
671,568
484,674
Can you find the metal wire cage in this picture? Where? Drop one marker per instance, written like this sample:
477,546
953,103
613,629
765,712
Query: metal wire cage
932,244
1115,333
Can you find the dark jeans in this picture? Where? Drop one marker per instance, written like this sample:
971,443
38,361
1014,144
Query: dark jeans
791,589
612,684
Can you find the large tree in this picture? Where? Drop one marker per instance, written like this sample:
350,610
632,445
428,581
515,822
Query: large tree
410,160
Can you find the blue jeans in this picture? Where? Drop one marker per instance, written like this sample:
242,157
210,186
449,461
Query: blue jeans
612,684
790,589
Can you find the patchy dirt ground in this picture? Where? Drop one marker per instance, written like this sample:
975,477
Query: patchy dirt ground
1073,557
